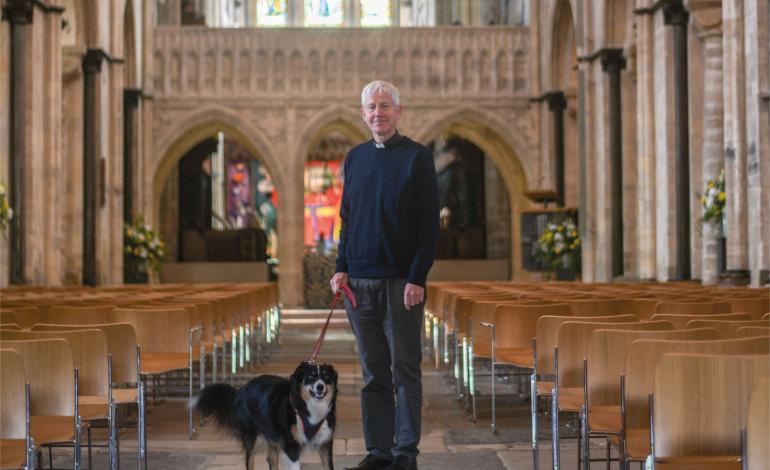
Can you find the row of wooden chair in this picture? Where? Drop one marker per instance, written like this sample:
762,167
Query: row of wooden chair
458,314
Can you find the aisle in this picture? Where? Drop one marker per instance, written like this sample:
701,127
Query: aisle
449,441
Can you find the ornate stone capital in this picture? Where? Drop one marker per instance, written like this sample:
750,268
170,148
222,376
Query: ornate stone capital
707,16
92,61
18,11
556,100
675,14
612,60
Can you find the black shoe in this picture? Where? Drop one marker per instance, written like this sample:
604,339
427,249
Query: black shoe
371,462
403,462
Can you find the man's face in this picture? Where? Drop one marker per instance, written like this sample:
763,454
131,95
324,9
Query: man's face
380,114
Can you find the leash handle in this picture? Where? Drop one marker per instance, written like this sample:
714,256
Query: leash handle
352,298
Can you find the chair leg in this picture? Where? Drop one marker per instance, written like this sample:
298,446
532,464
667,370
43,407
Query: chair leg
90,453
533,414
142,429
585,438
555,428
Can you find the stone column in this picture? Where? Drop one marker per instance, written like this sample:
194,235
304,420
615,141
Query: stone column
646,267
557,103
130,104
708,22
757,19
612,63
92,65
676,16
19,13
735,138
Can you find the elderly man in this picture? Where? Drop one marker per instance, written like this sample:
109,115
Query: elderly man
387,244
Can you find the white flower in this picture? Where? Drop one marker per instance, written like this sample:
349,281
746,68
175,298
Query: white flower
10,213
143,253
551,227
558,237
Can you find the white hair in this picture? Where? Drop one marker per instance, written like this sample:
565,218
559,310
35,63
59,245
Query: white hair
380,86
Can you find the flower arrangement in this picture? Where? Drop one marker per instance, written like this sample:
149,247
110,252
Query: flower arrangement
559,246
713,201
6,213
143,246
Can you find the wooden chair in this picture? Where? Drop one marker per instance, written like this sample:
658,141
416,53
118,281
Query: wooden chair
727,327
704,431
571,349
543,372
26,315
8,316
16,447
93,361
169,343
512,328
693,308
10,326
77,314
53,384
604,365
757,455
766,316
680,321
639,380
127,387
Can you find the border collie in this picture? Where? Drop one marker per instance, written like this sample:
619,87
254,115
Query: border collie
289,414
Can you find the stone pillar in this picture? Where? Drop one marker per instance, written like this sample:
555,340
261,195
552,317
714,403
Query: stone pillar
557,103
676,16
612,63
130,105
646,267
708,24
757,19
735,137
19,13
92,65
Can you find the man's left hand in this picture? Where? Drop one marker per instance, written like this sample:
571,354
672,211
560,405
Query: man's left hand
413,295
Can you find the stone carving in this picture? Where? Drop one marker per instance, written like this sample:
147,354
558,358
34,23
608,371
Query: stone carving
264,62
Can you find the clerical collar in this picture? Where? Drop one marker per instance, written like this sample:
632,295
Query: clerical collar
390,143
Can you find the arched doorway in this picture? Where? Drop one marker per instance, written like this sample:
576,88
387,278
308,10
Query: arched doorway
216,202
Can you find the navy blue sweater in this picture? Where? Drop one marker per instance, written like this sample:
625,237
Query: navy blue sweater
389,211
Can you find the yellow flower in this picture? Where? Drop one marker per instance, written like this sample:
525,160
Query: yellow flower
557,250
573,234
711,184
548,236
721,197
577,242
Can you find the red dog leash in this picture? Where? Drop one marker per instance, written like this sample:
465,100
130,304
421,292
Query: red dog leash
352,298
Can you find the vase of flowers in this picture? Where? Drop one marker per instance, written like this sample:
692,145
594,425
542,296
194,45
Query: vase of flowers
144,252
558,249
713,201
6,213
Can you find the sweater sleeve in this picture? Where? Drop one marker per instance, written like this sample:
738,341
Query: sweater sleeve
342,260
428,219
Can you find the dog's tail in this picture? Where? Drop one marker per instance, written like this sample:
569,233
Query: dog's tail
217,401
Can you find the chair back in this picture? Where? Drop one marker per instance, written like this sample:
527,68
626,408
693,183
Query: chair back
644,354
607,357
701,402
727,327
159,330
77,314
573,345
693,308
89,353
758,427
12,395
547,335
50,368
751,331
121,344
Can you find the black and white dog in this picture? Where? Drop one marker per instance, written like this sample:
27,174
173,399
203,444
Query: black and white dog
289,414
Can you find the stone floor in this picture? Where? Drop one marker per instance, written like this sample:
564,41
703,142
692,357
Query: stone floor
450,440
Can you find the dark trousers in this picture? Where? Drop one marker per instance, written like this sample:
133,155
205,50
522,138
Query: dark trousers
389,349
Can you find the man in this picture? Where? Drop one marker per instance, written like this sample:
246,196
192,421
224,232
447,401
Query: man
387,244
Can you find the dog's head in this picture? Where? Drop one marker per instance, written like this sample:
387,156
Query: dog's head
315,381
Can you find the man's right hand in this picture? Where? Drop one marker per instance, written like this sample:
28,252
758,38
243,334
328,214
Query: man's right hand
338,280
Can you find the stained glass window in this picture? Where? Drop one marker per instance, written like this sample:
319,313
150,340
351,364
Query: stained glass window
323,12
375,13
271,13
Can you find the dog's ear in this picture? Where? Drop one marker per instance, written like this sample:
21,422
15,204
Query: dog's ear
333,373
299,372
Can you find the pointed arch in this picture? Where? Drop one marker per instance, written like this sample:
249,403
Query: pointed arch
205,123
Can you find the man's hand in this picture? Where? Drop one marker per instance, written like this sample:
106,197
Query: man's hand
413,295
337,280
